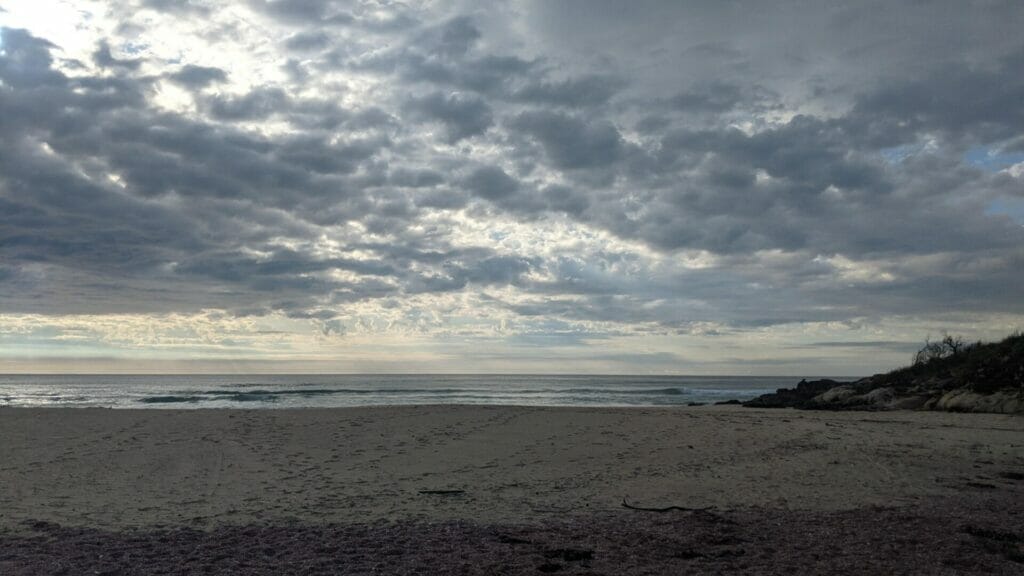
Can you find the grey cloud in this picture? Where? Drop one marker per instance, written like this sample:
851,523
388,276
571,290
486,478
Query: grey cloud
978,103
374,17
197,77
405,178
296,71
720,97
442,199
462,116
299,11
103,57
257,104
499,270
196,199
27,60
453,38
491,75
491,183
565,199
461,270
569,142
308,113
307,41
772,150
321,157
585,91
181,6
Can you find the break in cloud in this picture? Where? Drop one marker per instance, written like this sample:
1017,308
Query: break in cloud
700,187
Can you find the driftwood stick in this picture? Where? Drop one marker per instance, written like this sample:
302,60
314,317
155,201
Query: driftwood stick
626,504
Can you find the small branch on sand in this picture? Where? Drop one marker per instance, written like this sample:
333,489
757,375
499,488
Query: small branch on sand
626,504
443,492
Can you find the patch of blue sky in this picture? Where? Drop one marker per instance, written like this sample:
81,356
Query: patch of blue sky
1012,207
134,48
992,159
898,154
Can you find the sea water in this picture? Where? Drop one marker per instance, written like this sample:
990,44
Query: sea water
314,391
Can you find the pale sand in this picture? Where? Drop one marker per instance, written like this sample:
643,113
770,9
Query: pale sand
140,468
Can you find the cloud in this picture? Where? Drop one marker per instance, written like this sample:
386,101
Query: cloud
257,104
582,92
308,41
491,182
102,57
569,142
198,77
461,116
433,167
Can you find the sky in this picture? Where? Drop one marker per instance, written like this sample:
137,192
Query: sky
523,186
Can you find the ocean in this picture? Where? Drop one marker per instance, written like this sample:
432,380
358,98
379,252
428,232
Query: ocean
322,391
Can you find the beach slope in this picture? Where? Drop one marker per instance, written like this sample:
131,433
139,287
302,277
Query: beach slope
113,474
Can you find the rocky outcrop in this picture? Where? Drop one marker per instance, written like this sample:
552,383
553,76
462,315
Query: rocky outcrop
964,400
858,396
981,378
863,395
799,397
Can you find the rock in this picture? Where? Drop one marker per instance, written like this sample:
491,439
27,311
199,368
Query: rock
879,396
931,395
836,395
964,400
798,397
914,402
728,402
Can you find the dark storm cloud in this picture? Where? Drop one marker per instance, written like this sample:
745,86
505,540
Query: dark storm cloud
820,155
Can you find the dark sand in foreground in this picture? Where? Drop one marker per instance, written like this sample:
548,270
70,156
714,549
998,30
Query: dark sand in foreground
491,490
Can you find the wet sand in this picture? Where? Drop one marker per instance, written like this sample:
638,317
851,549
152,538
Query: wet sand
560,474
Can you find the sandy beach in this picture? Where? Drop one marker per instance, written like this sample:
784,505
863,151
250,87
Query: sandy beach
104,472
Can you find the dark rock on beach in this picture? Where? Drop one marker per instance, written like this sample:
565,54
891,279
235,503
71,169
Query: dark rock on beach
799,397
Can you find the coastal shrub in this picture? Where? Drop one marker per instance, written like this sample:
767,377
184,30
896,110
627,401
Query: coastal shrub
951,363
948,346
